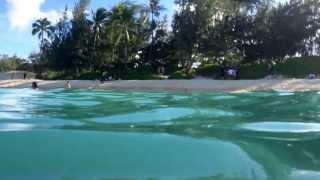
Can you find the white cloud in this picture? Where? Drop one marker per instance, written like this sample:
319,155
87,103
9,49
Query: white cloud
22,13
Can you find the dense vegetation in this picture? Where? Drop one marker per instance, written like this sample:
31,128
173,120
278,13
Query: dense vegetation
136,41
13,63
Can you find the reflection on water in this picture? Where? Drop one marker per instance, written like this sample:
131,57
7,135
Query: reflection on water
283,127
15,127
83,134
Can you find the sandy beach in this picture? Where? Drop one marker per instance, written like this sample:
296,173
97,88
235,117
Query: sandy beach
177,85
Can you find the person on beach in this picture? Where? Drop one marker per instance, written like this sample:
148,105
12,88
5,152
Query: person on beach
232,73
24,76
67,85
34,85
110,78
106,78
312,76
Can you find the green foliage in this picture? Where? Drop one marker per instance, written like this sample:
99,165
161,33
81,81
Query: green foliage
209,70
128,37
42,28
143,76
53,75
12,63
90,76
293,67
253,71
182,75
246,71
283,31
299,67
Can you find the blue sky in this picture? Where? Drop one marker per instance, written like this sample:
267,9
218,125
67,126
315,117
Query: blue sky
16,17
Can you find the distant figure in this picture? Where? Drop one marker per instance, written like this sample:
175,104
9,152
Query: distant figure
24,75
312,76
106,78
67,85
102,80
34,85
232,73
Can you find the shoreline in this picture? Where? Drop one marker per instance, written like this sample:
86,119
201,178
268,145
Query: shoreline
230,86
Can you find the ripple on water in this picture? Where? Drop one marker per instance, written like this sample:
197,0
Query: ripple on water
282,127
52,122
163,114
144,101
62,102
211,112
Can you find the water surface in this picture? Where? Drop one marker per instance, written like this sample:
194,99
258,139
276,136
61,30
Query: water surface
92,134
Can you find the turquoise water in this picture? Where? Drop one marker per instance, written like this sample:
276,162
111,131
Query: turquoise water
84,134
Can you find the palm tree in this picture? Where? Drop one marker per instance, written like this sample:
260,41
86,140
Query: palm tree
124,33
43,28
124,25
100,18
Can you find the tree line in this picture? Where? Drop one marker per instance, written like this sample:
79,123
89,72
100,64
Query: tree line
133,39
13,63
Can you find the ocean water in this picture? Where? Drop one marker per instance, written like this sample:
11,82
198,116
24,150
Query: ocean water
93,134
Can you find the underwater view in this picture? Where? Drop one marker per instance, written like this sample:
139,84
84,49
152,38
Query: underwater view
95,134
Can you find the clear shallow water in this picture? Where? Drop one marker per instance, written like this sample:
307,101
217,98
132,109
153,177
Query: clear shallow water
83,134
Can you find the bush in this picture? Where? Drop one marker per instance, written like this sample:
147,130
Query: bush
294,68
299,67
145,73
142,76
253,71
209,70
52,75
182,75
90,76
246,71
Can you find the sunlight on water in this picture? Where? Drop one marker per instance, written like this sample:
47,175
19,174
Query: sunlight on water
95,134
283,127
15,127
